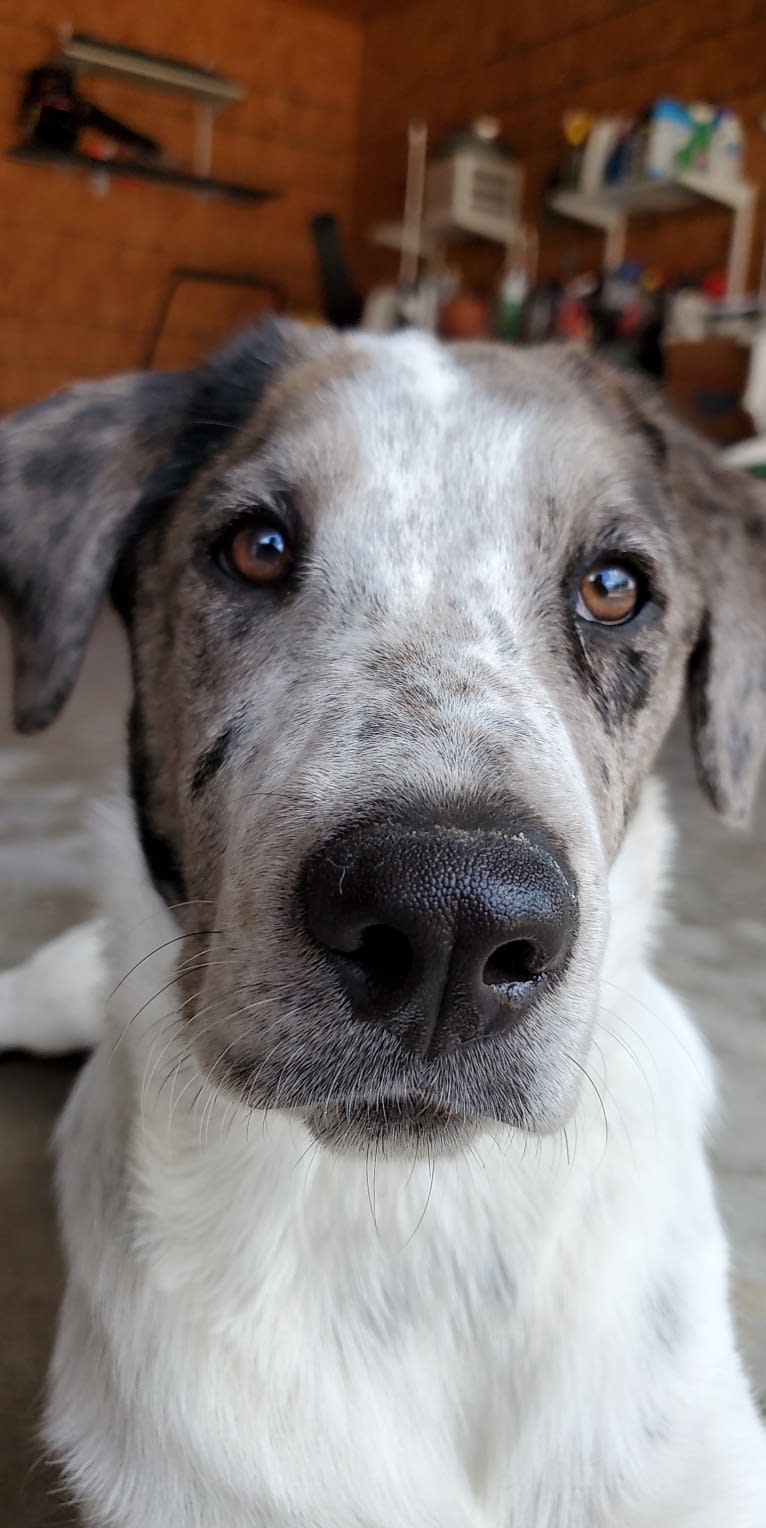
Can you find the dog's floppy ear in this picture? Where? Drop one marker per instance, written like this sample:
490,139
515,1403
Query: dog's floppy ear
72,474
81,474
721,513
725,520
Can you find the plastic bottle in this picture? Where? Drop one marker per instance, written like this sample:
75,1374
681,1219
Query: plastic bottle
726,148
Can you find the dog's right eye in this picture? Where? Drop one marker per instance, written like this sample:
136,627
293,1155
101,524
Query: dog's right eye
257,550
610,594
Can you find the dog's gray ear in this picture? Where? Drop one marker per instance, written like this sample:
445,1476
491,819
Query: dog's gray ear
724,514
72,474
81,475
721,515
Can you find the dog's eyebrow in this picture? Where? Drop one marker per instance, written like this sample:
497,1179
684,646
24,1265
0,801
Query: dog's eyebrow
633,495
649,494
208,763
642,537
250,484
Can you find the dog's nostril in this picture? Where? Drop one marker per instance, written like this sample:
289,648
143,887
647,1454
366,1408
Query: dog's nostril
442,934
512,963
384,957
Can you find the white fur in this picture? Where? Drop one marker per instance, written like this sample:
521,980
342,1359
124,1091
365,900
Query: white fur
54,1002
257,1332
429,369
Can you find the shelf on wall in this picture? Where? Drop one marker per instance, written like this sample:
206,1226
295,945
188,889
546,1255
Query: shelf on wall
687,189
209,90
430,240
209,185
81,51
609,209
395,236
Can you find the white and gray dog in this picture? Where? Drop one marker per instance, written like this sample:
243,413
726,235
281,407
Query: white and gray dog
384,1193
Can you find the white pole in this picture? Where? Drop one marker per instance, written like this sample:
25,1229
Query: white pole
417,142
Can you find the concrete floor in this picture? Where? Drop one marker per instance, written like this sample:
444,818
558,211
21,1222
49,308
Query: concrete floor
46,786
714,951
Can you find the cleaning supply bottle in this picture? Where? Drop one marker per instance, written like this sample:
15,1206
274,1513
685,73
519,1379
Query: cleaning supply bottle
726,147
515,283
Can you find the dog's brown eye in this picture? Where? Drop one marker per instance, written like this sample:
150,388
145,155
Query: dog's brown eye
609,594
259,552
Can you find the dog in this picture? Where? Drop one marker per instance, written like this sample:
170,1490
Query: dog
384,1193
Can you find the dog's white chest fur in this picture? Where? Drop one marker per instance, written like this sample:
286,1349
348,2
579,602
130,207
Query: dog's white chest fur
532,1335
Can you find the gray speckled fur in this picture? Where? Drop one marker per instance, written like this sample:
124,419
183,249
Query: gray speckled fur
428,654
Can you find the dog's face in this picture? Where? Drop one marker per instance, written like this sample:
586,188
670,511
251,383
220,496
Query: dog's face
408,626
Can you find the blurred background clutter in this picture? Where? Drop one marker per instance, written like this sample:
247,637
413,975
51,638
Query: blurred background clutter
592,169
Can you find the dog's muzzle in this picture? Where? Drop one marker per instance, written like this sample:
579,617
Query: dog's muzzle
442,934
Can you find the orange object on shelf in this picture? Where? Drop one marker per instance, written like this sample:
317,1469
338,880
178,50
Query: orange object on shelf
464,317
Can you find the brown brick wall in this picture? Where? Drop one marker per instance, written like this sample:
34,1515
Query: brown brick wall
448,60
82,277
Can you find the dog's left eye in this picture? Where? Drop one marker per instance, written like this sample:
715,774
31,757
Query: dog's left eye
611,593
258,551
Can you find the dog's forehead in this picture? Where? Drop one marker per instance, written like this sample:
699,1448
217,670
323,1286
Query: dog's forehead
390,421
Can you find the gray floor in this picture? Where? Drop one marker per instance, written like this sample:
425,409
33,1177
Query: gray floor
714,951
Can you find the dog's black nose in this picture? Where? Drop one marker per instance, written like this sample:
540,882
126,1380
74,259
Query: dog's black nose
442,934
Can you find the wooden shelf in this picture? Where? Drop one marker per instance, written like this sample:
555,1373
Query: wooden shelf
82,51
209,185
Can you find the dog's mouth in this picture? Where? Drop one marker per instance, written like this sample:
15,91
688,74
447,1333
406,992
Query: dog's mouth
357,1087
391,1125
